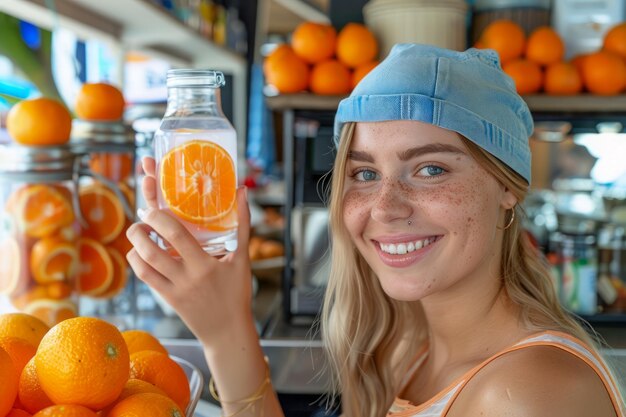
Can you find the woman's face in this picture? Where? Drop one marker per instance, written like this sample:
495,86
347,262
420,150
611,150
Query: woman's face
420,210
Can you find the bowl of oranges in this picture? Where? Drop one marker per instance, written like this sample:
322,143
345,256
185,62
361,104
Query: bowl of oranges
87,367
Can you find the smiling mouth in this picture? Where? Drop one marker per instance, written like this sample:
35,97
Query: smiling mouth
407,247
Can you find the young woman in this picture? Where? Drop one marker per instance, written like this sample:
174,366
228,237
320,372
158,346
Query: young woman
436,303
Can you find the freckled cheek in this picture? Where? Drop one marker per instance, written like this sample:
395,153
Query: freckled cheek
356,208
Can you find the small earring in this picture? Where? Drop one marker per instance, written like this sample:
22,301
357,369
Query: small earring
510,220
410,222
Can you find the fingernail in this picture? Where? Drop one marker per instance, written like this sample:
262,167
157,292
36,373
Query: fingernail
141,213
245,192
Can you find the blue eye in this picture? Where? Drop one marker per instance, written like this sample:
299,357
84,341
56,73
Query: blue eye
365,175
431,171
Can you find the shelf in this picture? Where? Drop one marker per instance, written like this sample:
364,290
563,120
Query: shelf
537,103
136,24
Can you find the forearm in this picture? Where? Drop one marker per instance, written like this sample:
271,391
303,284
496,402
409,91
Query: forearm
238,368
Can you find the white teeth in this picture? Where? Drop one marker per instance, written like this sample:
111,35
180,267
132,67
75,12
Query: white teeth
404,248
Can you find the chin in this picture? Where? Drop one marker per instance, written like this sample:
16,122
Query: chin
405,291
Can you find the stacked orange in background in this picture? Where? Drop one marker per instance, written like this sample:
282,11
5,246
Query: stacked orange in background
536,62
86,367
322,61
103,244
38,249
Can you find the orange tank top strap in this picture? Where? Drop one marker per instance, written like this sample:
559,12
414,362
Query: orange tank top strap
562,341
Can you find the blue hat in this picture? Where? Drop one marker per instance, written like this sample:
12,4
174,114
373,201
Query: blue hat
466,92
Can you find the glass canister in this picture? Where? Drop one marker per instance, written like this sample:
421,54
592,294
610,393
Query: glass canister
195,149
39,231
106,192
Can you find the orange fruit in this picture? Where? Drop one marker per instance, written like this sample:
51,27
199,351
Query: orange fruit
8,383
159,369
314,42
41,210
286,71
527,75
361,71
198,181
70,410
133,387
545,46
120,274
53,259
20,351
146,404
51,311
356,45
16,412
562,78
615,40
99,101
83,360
102,211
604,73
39,122
31,396
506,37
114,166
11,269
95,273
24,326
121,243
331,78
138,340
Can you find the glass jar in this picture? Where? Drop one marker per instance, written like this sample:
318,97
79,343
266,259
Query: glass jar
195,150
39,230
578,255
106,193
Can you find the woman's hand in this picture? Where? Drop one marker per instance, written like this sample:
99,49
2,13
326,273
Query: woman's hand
211,295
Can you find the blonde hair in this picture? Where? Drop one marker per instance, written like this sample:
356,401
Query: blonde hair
371,339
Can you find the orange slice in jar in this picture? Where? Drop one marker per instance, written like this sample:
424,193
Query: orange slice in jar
53,259
102,211
95,272
10,265
41,210
198,181
51,311
114,166
120,274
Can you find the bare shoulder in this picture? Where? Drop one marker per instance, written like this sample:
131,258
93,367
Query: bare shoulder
538,381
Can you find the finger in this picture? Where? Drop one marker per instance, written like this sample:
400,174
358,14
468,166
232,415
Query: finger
151,253
149,166
243,213
147,274
177,235
148,188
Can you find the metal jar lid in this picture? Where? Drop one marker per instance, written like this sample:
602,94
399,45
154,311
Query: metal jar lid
89,136
481,5
36,163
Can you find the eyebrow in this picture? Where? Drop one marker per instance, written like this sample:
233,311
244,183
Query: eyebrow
408,154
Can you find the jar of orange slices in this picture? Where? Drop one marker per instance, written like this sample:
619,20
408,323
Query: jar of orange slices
106,192
39,232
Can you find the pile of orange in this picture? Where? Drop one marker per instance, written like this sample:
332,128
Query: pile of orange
86,367
39,259
321,60
535,62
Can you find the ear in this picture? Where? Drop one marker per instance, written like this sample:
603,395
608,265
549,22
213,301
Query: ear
508,199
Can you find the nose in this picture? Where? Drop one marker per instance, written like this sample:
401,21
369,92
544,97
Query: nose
391,203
